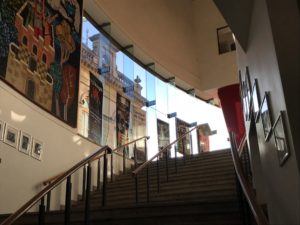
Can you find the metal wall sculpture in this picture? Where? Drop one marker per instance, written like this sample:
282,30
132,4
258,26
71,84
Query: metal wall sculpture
40,52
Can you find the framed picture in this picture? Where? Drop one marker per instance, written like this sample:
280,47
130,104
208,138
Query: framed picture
248,92
11,136
37,148
255,100
281,143
2,127
25,143
266,117
243,96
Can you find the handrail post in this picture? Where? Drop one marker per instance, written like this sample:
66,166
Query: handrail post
183,150
87,195
135,155
167,165
42,212
146,150
136,189
191,144
83,182
157,173
124,161
48,201
148,185
111,167
99,174
175,160
68,201
104,179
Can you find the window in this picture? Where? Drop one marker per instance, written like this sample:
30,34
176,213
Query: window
44,58
226,41
24,40
34,49
32,64
30,89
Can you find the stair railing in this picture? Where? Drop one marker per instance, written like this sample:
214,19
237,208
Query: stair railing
164,151
54,182
245,185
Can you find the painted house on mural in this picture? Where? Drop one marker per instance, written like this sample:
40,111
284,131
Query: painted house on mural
29,62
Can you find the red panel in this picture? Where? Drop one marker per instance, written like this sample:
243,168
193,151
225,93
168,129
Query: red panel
232,109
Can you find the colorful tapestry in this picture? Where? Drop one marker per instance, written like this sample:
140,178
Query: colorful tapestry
123,119
95,109
184,145
40,52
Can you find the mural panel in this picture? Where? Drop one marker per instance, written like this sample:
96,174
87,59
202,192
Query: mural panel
163,133
123,119
184,145
95,109
40,52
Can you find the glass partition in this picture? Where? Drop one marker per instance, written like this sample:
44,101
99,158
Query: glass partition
146,105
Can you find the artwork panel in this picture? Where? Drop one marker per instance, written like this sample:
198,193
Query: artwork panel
163,133
183,145
122,119
266,117
281,143
40,45
95,109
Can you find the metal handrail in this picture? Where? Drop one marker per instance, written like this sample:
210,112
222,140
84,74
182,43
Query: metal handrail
257,211
164,149
98,157
55,181
33,201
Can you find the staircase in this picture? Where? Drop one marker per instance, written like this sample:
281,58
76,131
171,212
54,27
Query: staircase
202,190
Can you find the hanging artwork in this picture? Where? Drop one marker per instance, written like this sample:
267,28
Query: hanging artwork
184,145
281,143
163,133
40,52
95,109
123,119
266,116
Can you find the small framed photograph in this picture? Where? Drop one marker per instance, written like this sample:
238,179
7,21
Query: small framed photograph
255,100
265,115
2,127
279,131
248,92
242,95
37,149
25,143
11,136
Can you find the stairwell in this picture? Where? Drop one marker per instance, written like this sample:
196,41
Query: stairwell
200,189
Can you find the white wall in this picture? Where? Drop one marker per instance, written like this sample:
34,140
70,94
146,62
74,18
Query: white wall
21,175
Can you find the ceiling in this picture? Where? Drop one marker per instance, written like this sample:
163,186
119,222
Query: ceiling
179,36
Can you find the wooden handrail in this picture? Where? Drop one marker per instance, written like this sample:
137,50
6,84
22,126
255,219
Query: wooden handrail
13,217
141,167
258,213
51,179
242,145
